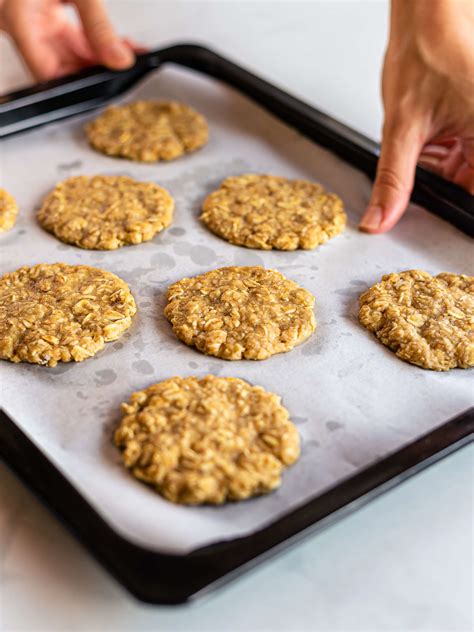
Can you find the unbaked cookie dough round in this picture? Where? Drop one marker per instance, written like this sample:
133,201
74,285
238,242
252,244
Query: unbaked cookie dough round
207,440
148,131
8,211
265,212
239,313
106,212
52,313
426,320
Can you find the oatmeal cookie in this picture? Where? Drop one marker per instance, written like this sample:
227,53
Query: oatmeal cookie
148,131
52,313
106,212
207,440
265,212
239,313
8,211
428,321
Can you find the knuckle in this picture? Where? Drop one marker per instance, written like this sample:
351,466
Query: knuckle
398,131
101,30
403,123
393,125
389,178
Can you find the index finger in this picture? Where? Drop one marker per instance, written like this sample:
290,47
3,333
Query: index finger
102,36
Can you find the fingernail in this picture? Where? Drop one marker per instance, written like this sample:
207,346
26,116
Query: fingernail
120,54
372,219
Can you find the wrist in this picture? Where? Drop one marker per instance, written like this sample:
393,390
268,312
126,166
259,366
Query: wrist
440,31
425,18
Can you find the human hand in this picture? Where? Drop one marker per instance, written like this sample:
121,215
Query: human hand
51,45
428,95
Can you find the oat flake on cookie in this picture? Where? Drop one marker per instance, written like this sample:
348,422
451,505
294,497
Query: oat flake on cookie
426,320
106,212
240,313
207,440
267,212
52,313
8,211
148,131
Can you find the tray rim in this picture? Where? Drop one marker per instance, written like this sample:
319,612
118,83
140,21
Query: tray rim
195,574
94,87
141,570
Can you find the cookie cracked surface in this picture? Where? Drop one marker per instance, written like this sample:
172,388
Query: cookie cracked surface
52,313
239,313
265,212
425,320
8,211
207,440
148,131
106,212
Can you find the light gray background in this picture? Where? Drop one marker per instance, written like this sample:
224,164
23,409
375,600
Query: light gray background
404,562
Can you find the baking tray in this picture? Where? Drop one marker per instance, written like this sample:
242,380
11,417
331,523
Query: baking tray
148,572
94,87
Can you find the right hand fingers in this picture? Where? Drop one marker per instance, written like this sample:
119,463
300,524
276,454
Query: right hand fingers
38,56
454,162
135,46
105,42
402,142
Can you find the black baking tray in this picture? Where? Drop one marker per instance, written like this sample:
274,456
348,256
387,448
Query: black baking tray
171,579
94,87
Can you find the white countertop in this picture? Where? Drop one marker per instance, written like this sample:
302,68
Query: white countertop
402,563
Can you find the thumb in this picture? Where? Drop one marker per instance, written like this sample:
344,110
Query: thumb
102,37
402,143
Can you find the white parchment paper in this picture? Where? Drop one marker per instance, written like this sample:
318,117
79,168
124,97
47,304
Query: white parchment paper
352,400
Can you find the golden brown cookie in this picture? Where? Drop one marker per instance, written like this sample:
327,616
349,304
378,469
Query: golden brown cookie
52,313
240,312
148,131
428,321
207,440
265,212
106,212
8,211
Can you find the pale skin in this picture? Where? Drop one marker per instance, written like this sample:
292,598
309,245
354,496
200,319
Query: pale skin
428,95
52,45
427,83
